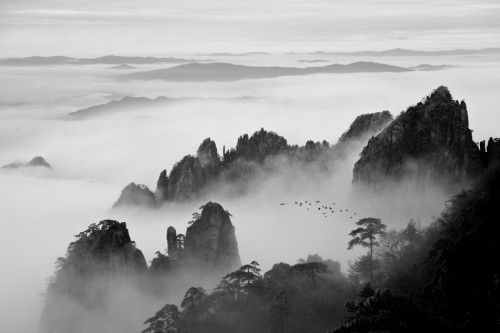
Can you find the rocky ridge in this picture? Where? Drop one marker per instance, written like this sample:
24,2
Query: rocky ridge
193,175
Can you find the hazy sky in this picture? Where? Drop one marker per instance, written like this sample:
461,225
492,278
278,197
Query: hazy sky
96,27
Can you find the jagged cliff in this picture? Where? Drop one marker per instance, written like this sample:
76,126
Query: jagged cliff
429,141
191,176
210,239
101,253
489,152
103,248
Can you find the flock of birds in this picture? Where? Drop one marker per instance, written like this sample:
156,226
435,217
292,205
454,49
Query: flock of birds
325,209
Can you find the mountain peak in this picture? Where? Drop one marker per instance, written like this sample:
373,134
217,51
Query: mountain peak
211,240
430,141
441,93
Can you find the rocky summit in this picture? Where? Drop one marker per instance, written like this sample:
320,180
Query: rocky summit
429,141
100,254
210,239
136,195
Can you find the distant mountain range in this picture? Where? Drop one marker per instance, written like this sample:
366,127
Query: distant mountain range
390,52
122,66
106,60
122,60
200,72
127,103
231,54
405,52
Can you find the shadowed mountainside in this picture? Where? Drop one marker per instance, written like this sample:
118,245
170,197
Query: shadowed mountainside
430,141
366,124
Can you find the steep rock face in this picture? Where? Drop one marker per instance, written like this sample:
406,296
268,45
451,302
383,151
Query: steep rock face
101,249
136,195
190,174
209,157
162,187
185,179
429,141
211,239
108,247
489,152
98,256
171,240
366,124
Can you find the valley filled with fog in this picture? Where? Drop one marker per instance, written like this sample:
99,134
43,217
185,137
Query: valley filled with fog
95,156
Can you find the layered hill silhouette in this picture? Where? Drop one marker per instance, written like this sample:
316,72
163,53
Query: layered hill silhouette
399,52
199,72
122,66
134,103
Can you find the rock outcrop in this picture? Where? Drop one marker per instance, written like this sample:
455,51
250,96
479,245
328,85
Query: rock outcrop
429,141
366,125
489,152
101,254
136,195
211,240
37,161
209,158
101,249
162,187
